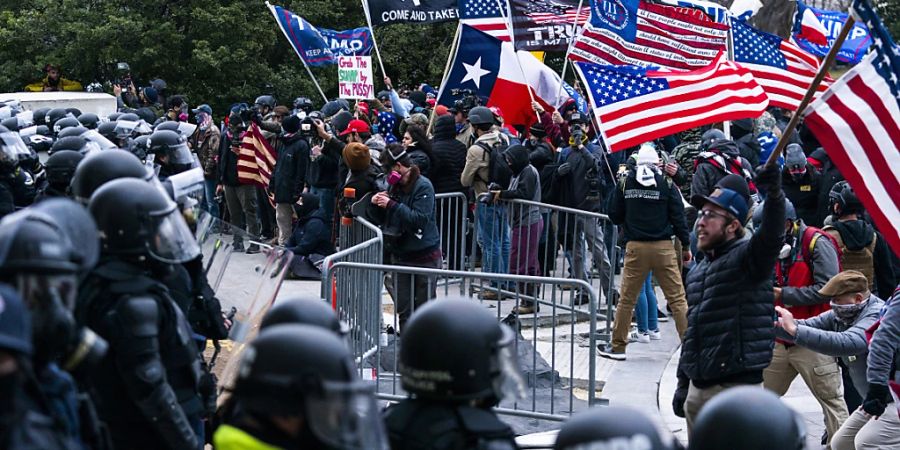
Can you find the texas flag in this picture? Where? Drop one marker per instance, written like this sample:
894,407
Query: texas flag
811,27
491,69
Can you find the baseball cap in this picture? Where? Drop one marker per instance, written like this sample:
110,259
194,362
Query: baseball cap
204,108
846,282
731,194
356,126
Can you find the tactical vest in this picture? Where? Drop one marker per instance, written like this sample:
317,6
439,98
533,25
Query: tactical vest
862,260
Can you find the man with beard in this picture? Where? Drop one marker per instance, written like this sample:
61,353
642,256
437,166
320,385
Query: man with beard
728,341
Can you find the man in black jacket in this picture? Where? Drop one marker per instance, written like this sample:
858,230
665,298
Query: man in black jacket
651,210
452,155
290,175
801,185
730,336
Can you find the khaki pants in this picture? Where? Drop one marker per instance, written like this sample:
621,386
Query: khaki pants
697,397
861,432
640,259
284,216
821,375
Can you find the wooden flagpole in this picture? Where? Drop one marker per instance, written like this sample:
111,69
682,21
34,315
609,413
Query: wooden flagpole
315,82
820,75
453,48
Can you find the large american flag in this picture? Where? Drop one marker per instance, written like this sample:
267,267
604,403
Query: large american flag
549,12
857,121
256,162
783,69
634,105
666,36
485,16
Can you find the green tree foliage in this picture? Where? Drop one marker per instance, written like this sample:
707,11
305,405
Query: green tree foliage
217,52
889,10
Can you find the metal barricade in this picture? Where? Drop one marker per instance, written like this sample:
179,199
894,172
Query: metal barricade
452,217
557,349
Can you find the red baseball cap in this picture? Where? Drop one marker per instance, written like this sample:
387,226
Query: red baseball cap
356,126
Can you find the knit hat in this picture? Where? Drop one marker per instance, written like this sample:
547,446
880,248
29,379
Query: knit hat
647,155
150,94
357,156
537,130
418,98
441,110
794,156
291,124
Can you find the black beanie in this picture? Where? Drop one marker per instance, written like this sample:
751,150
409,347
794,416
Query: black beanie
291,124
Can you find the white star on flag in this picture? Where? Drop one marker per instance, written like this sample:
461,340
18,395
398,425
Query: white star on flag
474,72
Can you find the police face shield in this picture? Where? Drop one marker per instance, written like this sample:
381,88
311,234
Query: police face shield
96,141
11,146
128,128
25,119
509,383
173,243
346,416
180,154
186,129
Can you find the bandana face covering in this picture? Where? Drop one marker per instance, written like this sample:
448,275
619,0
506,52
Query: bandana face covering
848,313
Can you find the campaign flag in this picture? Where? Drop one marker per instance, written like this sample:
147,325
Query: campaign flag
640,33
715,11
355,42
815,30
485,16
857,121
386,12
490,68
256,161
781,68
634,105
547,25
304,38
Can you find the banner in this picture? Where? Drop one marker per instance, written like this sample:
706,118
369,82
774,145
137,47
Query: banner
855,46
303,37
355,79
386,12
355,42
547,25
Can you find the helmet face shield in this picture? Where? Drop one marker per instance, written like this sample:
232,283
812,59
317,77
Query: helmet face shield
345,415
97,141
11,146
180,154
509,383
173,243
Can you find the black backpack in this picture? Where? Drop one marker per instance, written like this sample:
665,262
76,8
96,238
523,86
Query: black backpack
498,170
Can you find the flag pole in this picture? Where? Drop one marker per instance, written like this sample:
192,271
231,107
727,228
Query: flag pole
313,77
729,55
562,73
820,75
512,40
374,41
453,48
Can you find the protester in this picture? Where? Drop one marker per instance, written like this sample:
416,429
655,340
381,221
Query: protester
310,240
418,147
240,197
829,176
205,143
54,81
718,157
289,177
801,185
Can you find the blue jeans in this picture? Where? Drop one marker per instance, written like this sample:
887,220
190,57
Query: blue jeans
645,310
326,204
493,237
209,198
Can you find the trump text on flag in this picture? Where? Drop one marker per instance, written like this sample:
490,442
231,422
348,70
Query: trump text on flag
355,77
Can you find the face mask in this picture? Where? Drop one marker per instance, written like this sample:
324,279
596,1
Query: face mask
848,313
394,178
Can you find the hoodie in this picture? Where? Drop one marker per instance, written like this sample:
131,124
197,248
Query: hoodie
452,155
525,185
706,175
856,236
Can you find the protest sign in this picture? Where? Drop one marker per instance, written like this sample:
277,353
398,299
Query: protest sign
355,79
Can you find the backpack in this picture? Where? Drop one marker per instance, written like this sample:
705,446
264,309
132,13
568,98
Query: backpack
862,260
498,170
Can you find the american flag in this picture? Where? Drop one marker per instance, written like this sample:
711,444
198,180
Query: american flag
543,12
634,105
666,36
485,16
256,162
857,121
783,69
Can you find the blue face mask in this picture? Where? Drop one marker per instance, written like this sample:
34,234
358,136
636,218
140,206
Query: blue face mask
374,128
459,127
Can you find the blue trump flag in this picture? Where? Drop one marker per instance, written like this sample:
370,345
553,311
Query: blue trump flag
305,38
854,47
355,42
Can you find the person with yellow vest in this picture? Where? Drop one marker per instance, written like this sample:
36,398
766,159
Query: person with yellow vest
54,82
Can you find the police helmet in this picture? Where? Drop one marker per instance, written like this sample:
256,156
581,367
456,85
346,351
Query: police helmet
747,418
113,117
61,167
171,145
74,143
303,104
612,427
65,122
71,131
265,100
131,117
170,125
11,146
455,350
89,120
305,311
15,322
139,147
74,112
306,371
40,116
11,123
481,115
53,115
98,168
137,219
78,226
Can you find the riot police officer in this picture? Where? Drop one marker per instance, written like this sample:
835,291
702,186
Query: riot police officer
172,153
147,385
100,167
297,388
613,427
60,169
11,146
308,311
457,362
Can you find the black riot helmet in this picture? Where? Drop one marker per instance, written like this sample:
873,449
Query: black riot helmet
75,112
53,115
40,116
304,311
11,124
11,146
265,101
71,131
757,416
139,148
89,120
136,219
98,168
612,427
455,350
171,150
848,203
130,117
64,123
305,371
303,104
108,130
113,117
170,125
60,167
74,143
77,224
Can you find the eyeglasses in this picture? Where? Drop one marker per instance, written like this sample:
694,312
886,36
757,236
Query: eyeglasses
710,214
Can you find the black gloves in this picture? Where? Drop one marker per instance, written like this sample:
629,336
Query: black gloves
769,179
876,400
681,393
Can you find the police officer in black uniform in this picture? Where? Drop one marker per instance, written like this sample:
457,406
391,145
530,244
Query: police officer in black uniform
172,153
613,427
146,387
16,184
457,362
97,168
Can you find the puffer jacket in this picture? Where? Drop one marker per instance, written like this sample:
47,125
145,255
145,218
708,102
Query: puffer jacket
826,335
573,188
884,348
730,336
525,185
452,155
411,215
289,177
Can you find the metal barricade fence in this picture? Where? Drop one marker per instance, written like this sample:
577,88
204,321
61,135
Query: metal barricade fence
356,295
556,351
539,239
452,218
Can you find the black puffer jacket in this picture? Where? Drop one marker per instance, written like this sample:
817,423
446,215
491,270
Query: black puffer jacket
290,170
731,305
452,155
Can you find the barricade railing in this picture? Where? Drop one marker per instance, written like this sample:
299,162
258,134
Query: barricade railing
552,343
452,217
356,295
540,239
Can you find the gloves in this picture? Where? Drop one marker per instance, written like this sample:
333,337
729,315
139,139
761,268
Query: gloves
678,401
563,169
876,400
769,179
